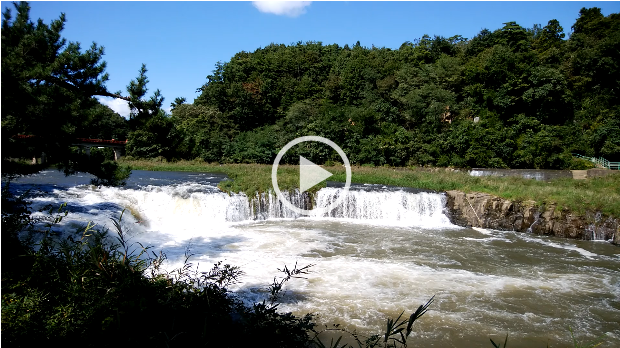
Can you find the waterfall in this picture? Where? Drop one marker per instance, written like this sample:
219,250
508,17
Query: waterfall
536,219
381,206
595,232
187,203
266,206
389,206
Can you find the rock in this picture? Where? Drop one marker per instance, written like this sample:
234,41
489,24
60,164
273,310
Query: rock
488,211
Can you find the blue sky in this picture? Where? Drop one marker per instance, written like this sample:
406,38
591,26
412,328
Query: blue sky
180,42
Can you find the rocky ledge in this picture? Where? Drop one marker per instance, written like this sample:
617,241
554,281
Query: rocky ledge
488,211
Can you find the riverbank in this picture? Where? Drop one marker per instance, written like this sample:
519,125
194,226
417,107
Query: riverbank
487,211
579,196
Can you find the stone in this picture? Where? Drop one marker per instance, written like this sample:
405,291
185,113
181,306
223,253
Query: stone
488,211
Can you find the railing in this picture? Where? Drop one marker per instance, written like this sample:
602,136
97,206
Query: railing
600,162
102,141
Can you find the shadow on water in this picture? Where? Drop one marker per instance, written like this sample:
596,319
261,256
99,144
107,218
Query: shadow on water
33,190
94,209
256,294
214,247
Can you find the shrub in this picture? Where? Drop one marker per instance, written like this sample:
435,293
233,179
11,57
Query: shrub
581,164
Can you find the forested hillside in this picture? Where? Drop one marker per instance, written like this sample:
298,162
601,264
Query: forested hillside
514,97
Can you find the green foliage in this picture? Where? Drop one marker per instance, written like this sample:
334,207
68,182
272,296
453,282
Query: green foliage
99,163
153,139
101,122
258,146
110,173
47,83
48,88
201,132
143,110
581,164
538,97
15,218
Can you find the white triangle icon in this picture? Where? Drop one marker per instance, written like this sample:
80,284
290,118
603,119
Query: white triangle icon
310,174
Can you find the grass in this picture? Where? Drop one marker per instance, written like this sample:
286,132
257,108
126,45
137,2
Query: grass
596,194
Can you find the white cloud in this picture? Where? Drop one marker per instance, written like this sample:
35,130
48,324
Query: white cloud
119,106
286,8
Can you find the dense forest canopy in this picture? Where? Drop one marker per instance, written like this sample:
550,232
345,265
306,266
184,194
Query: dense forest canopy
515,97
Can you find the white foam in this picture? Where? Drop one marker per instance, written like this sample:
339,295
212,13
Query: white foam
564,246
389,207
490,239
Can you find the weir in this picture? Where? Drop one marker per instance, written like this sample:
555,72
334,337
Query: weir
392,207
186,200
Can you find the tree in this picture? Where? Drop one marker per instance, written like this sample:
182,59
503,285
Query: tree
550,36
47,86
149,124
101,122
142,109
433,101
178,101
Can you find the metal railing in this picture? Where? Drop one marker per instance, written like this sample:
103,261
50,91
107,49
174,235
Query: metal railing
600,162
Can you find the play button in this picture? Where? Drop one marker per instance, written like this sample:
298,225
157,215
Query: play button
310,175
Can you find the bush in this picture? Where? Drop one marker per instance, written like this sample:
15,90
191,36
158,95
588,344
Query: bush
110,173
581,164
106,171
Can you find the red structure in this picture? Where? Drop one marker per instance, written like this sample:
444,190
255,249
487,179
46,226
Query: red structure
100,142
86,144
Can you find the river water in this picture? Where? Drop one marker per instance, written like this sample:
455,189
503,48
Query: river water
383,251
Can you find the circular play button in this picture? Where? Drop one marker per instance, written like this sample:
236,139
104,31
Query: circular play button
310,174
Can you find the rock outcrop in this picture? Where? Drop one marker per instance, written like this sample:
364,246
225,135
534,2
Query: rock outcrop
488,211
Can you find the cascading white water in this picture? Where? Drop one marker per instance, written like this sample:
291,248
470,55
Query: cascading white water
188,202
391,207
187,205
399,207
266,206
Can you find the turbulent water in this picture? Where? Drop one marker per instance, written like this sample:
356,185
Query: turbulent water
384,250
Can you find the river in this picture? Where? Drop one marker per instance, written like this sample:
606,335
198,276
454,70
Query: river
383,251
